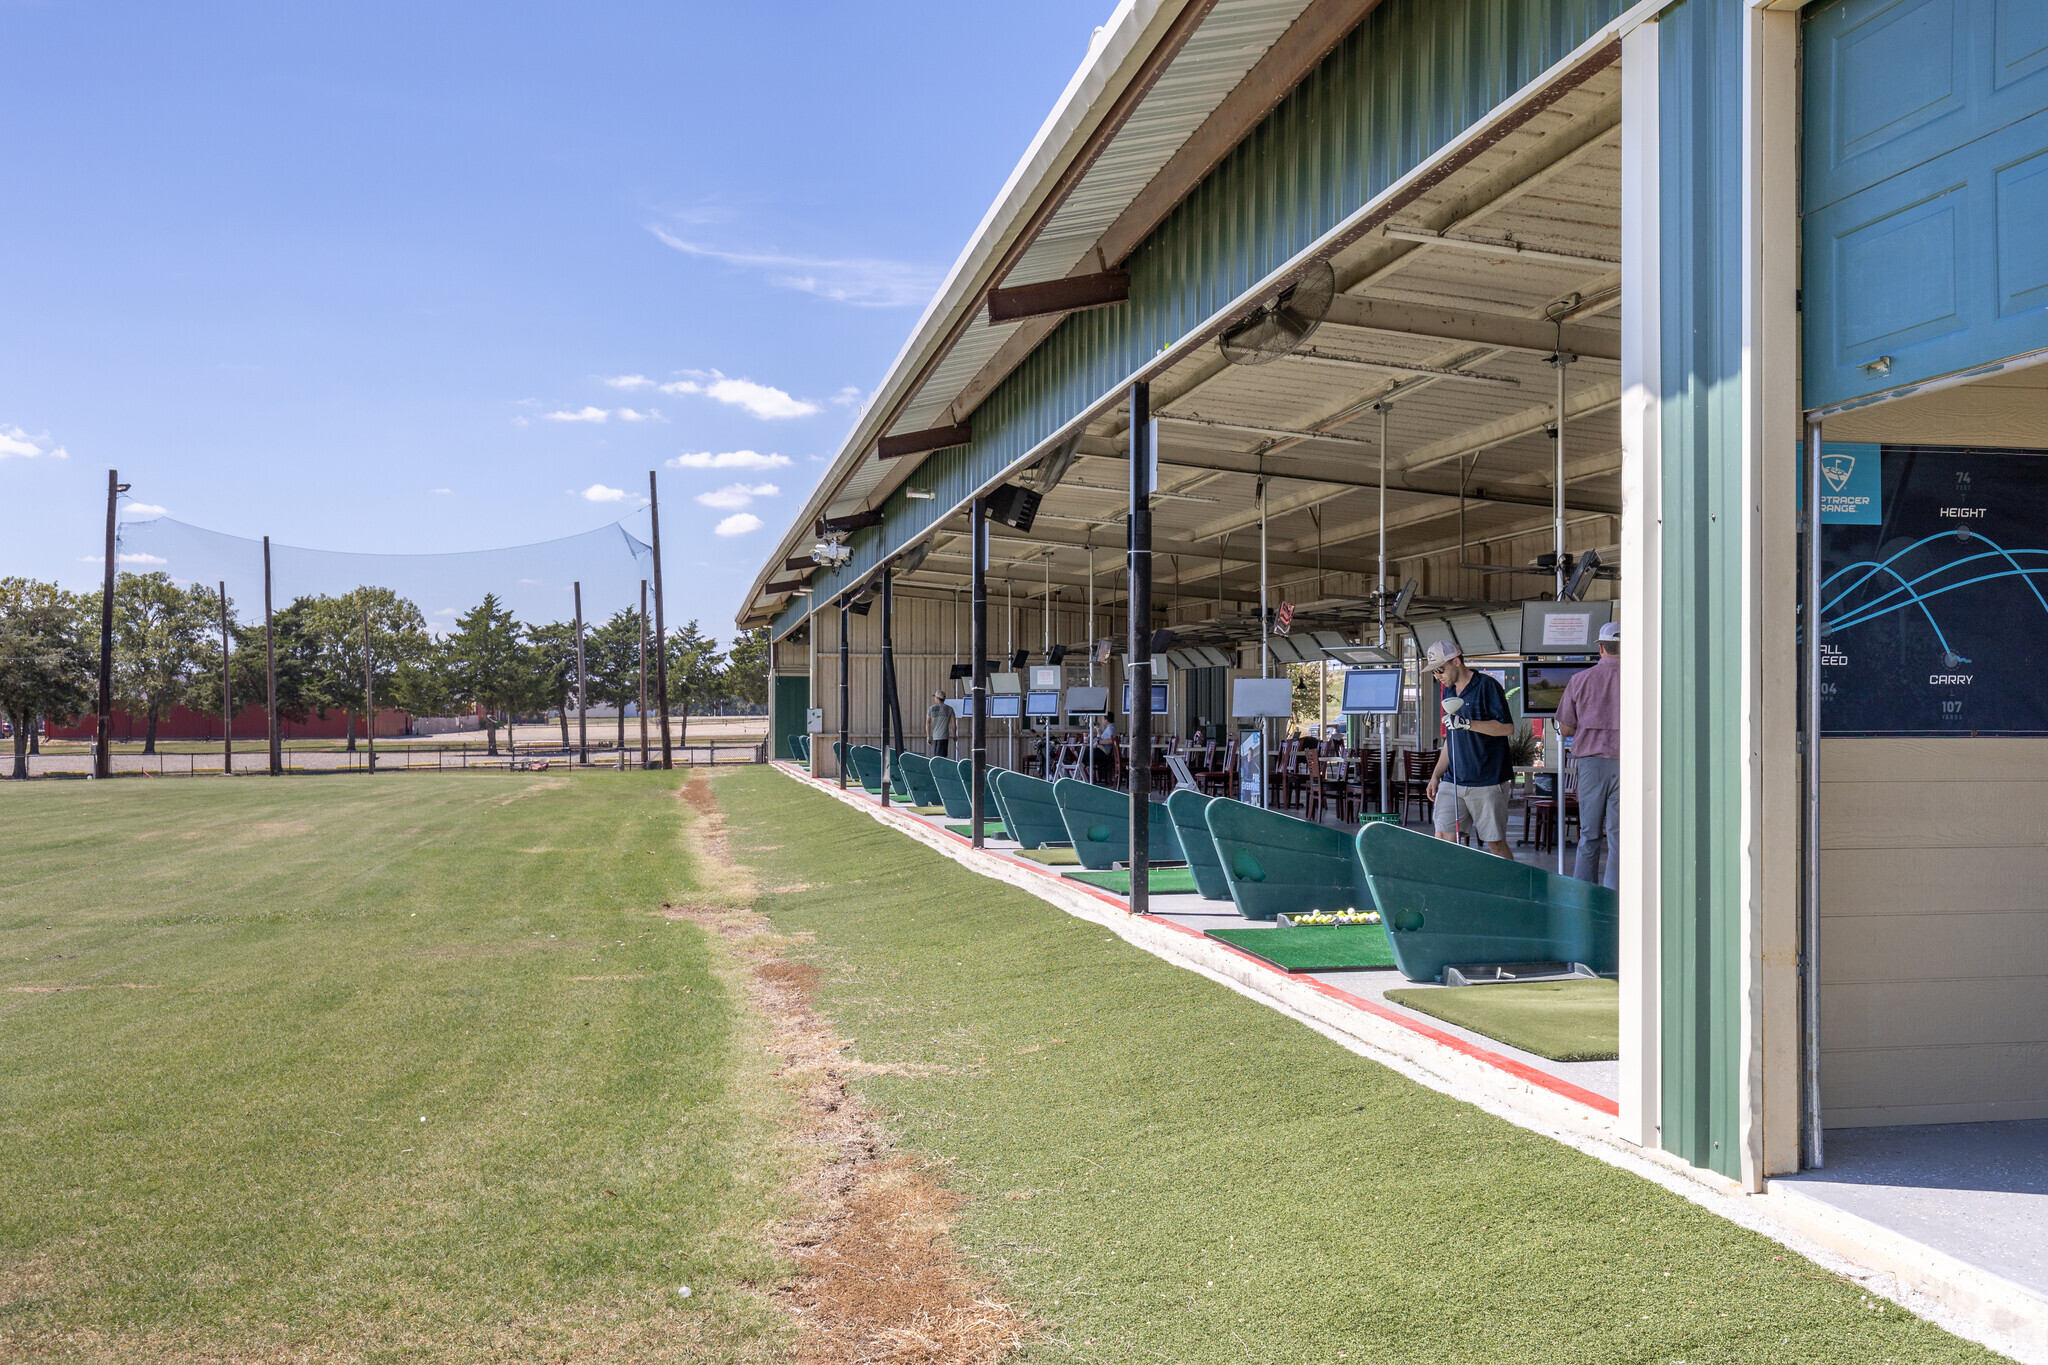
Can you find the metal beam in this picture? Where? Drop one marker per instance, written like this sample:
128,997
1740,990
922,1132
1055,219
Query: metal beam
1068,295
1503,247
918,442
1309,355
1452,325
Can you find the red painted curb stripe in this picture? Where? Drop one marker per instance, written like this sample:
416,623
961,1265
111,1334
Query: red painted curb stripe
1519,1070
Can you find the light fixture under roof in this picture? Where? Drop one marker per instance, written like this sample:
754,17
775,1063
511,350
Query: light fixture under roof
919,494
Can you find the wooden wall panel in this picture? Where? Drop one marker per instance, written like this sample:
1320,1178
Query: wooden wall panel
1934,930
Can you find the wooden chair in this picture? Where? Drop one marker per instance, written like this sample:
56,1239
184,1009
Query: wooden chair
1415,770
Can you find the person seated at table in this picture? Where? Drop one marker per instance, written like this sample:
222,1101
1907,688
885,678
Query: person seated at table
1102,751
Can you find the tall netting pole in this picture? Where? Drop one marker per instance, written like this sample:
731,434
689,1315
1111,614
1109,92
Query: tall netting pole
102,759
845,689
643,675
660,626
582,737
227,692
270,671
369,693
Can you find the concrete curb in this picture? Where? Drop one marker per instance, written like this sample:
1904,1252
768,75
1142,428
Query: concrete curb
1957,1297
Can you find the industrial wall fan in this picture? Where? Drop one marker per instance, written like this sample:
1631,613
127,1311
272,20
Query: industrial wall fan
1289,321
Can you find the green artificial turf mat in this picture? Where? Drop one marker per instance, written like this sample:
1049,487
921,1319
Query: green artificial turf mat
1326,948
1051,857
1165,881
990,829
1567,1021
1164,1170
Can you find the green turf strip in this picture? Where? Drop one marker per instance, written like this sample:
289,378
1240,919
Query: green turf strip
1325,948
419,1040
928,810
1566,1021
1163,1169
1051,857
990,829
1164,881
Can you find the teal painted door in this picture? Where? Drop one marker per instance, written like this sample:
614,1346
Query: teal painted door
1925,185
786,715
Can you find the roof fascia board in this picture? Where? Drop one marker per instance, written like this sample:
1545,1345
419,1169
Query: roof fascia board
1598,52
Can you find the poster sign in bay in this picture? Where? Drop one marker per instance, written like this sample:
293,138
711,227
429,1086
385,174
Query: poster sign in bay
1934,593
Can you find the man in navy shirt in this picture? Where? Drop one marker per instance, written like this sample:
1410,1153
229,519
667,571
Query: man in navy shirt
1475,753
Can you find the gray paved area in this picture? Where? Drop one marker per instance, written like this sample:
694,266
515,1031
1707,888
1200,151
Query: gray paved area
1978,1191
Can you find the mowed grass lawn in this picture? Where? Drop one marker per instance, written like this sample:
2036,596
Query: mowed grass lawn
1165,1170
398,1068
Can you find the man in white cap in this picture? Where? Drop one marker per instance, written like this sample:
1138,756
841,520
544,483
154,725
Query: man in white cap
1475,753
1589,714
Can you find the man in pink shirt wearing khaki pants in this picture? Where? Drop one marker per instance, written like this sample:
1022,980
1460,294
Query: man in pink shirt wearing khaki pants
1589,714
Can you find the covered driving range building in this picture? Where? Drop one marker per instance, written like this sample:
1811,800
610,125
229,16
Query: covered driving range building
1642,280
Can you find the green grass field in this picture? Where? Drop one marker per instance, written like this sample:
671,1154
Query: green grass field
1165,1170
403,1069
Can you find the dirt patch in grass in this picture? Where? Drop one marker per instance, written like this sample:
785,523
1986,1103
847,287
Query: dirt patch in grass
879,1279
108,986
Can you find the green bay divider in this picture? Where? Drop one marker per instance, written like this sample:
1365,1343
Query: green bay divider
1098,819
1030,812
867,766
1189,810
1275,863
917,771
952,787
1443,905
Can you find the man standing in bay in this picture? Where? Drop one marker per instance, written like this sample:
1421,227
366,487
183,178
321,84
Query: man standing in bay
938,725
1589,714
1475,755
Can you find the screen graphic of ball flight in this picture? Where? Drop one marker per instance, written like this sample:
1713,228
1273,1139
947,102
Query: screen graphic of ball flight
1934,593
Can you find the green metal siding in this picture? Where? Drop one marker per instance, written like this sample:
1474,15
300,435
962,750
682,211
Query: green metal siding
1700,146
1407,81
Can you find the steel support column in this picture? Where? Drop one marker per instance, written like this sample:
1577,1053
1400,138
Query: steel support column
1138,665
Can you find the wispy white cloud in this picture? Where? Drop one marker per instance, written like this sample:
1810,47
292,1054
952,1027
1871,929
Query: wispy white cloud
442,490
137,558
580,415
729,459
651,415
861,281
847,397
737,495
14,442
629,382
738,524
762,400
597,492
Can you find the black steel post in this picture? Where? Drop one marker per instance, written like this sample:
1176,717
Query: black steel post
888,688
845,690
1138,667
978,515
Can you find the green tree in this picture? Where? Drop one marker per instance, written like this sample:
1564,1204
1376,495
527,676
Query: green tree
397,635
693,672
247,679
746,669
46,658
611,655
487,663
159,644
553,650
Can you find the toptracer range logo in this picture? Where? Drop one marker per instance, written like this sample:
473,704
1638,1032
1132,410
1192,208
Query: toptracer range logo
1852,484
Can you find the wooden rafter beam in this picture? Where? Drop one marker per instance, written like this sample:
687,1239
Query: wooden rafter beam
1058,297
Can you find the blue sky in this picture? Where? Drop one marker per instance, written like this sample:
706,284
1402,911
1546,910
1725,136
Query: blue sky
357,276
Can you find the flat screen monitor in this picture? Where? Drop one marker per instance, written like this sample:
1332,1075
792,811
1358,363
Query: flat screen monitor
1543,686
1006,707
1563,627
1158,699
1087,701
1372,691
1041,703
1509,676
